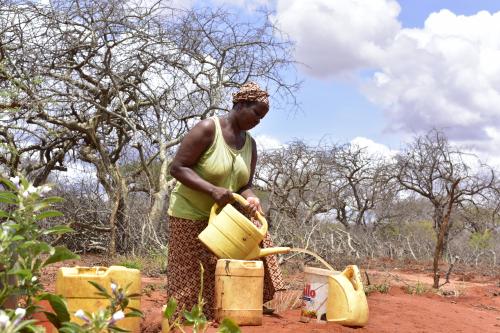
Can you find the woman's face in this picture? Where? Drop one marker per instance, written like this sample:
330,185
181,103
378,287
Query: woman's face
250,114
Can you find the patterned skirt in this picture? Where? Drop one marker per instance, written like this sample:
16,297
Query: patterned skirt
185,252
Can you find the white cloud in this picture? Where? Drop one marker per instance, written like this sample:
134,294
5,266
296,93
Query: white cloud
333,37
373,148
486,150
267,142
446,75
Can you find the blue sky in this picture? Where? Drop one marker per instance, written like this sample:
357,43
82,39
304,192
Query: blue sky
382,71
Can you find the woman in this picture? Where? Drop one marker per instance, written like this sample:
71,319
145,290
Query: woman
216,158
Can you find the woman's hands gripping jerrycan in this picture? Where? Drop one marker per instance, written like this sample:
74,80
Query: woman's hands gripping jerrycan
231,235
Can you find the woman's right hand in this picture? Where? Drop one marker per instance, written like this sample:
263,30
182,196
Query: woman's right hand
222,196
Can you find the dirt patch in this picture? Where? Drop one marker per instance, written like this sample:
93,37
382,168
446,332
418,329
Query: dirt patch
469,303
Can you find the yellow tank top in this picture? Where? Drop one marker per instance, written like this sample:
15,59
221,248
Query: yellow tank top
221,166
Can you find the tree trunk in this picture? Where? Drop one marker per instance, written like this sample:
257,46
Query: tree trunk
443,229
123,236
118,221
112,226
158,210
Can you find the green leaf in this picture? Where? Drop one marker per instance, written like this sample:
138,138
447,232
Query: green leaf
102,290
22,273
196,311
134,295
134,309
47,214
116,329
61,253
201,323
60,308
24,325
36,247
52,200
134,314
24,182
4,214
39,206
125,303
8,183
57,230
68,327
8,198
229,326
170,308
54,320
190,319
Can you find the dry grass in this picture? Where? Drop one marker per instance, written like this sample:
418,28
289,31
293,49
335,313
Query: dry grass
286,300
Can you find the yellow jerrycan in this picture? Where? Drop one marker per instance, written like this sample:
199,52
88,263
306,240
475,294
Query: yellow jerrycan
72,283
231,235
346,304
239,291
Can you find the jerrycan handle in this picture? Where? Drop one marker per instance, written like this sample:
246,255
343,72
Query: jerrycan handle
351,272
97,270
242,201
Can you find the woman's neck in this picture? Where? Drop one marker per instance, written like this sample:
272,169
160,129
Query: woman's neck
232,123
232,133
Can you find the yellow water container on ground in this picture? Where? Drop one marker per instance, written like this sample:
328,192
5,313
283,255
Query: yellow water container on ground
239,289
347,303
72,283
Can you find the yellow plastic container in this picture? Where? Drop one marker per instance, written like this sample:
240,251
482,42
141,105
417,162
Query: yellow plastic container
230,235
239,289
72,283
347,303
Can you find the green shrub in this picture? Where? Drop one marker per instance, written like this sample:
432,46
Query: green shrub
418,289
134,263
382,288
151,264
23,253
481,240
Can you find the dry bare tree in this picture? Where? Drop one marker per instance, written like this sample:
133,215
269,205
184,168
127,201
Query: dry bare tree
297,190
118,86
437,171
26,145
364,183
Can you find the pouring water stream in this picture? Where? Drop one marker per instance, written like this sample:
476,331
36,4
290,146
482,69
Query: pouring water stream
327,265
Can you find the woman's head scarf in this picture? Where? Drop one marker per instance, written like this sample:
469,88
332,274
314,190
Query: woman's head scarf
251,92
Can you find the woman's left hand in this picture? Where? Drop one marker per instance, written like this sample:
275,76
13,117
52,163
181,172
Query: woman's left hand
254,206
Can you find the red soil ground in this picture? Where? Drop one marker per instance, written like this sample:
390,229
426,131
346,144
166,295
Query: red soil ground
471,303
